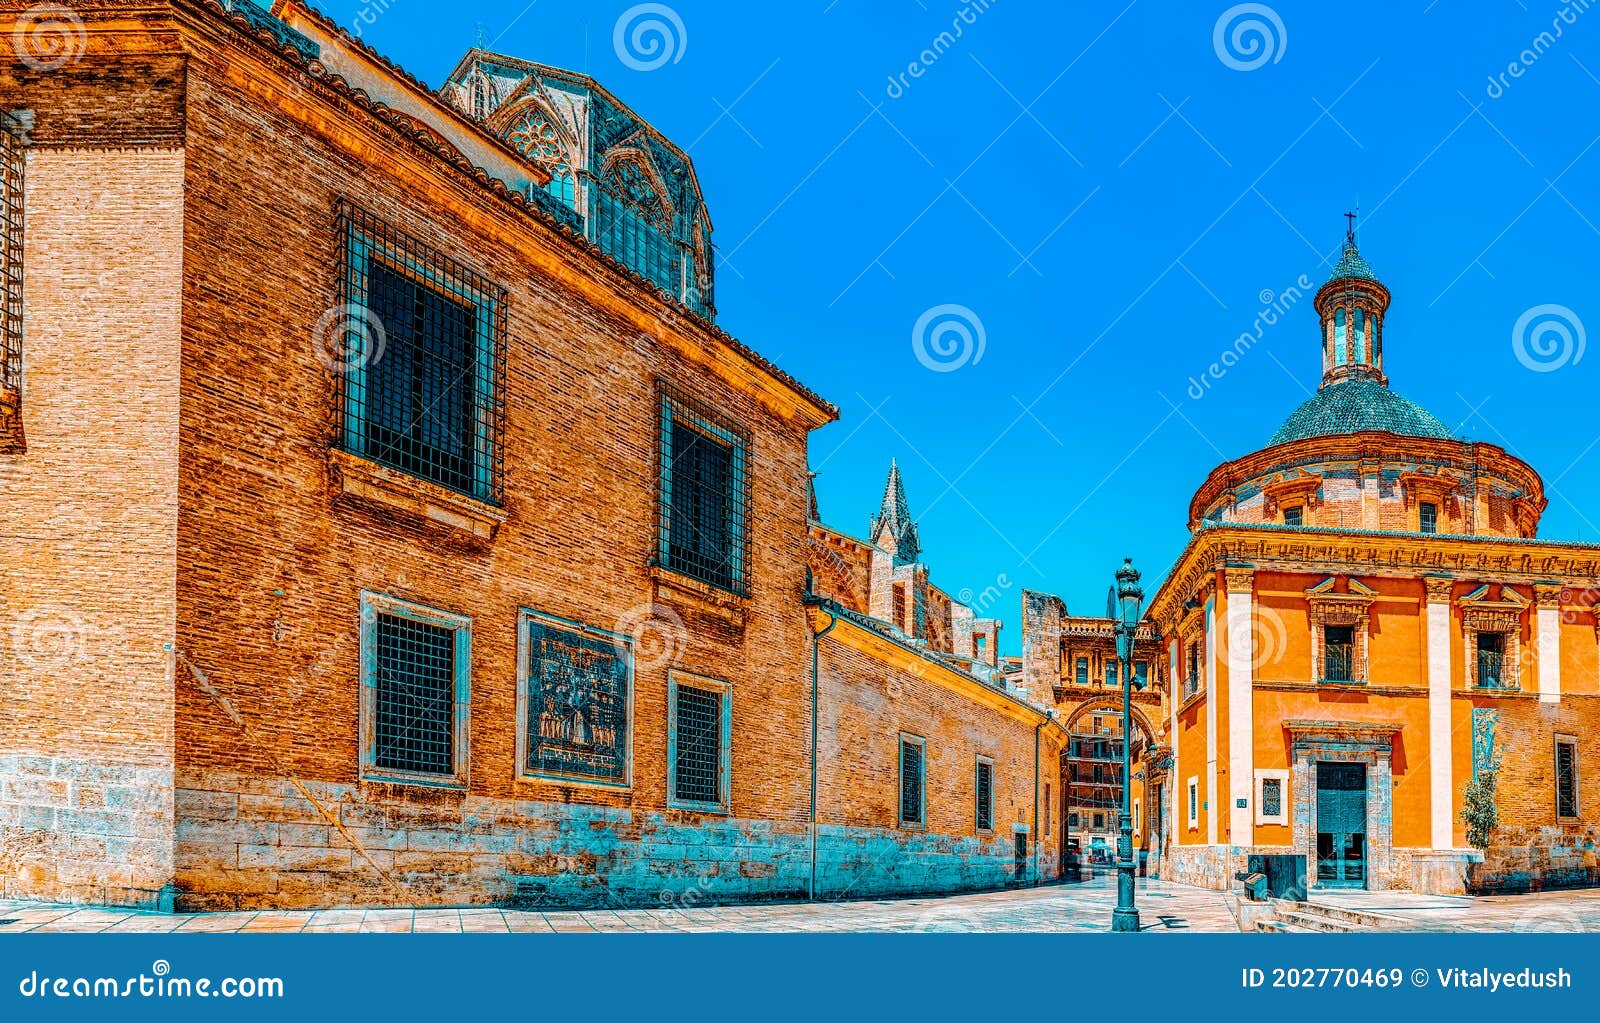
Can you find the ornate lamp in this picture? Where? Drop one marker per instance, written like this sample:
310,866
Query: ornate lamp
1125,607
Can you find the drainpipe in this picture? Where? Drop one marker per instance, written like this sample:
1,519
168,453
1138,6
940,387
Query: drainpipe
816,642
1049,716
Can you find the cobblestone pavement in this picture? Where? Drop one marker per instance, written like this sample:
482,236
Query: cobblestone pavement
1165,908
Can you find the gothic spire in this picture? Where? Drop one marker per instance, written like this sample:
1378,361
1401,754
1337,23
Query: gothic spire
892,528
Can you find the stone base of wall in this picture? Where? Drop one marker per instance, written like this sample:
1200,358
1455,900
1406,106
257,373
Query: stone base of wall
247,843
1204,866
1214,866
1441,871
82,832
1538,859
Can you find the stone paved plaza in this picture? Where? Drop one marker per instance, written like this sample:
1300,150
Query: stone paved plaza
1166,908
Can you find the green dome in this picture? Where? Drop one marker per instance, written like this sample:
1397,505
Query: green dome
1357,406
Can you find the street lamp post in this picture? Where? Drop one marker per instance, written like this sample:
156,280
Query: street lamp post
1127,600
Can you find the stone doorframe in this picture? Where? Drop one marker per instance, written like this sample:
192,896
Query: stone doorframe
1351,742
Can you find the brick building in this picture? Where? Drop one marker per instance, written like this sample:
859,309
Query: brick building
387,521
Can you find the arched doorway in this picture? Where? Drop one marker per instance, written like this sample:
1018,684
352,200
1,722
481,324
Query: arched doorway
1091,785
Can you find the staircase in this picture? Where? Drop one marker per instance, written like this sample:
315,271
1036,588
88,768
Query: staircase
1288,917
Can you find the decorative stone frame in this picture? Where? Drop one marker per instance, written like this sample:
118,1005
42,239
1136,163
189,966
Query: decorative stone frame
1297,488
1351,742
1353,609
1479,615
1191,633
1566,739
373,605
1283,815
677,680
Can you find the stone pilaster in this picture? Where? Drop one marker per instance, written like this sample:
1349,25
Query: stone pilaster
1241,704
1440,753
1547,640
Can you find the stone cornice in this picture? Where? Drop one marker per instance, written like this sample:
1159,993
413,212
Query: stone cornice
1370,554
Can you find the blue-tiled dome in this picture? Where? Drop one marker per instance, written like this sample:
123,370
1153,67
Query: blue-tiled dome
1358,406
1351,265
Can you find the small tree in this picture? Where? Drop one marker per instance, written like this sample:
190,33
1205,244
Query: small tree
1478,810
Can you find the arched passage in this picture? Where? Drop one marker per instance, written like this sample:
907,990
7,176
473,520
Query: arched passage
1092,782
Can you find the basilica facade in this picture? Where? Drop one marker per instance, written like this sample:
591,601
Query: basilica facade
1364,622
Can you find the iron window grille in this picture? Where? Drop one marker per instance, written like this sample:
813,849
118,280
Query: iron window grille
1191,683
983,785
913,777
575,701
699,737
1566,778
1295,516
11,205
1491,660
415,686
421,341
704,507
1428,518
1339,651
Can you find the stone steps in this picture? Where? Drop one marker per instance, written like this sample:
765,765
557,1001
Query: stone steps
1355,919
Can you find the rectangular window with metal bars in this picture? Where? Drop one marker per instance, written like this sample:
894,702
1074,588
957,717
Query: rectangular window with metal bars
1295,516
577,701
418,341
1338,653
1428,518
913,778
1566,778
415,684
983,785
699,737
704,513
11,168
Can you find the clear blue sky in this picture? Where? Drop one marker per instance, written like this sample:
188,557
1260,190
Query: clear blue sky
1111,200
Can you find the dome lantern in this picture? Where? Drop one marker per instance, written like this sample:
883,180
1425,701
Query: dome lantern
1352,306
